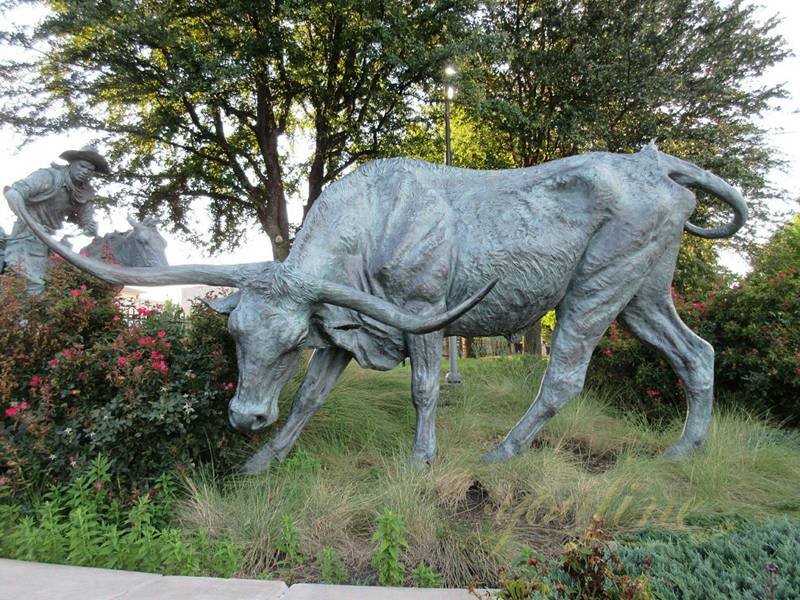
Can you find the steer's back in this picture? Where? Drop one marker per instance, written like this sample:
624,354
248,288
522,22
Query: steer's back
414,232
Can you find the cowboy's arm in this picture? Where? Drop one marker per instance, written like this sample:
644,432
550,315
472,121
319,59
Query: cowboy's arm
84,217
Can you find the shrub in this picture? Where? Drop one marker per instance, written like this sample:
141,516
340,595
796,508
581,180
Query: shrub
86,523
738,563
78,378
587,569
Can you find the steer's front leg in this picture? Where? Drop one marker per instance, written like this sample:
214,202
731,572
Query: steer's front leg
323,370
425,352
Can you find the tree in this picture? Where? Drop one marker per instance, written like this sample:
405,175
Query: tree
197,99
569,76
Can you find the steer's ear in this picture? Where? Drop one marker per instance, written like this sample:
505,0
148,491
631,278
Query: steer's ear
224,305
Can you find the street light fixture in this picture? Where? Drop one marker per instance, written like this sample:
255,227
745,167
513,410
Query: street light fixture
453,376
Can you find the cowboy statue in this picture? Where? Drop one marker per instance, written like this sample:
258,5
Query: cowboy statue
52,195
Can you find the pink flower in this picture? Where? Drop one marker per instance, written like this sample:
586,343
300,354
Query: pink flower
122,361
144,341
161,333
160,365
67,353
75,292
84,253
679,381
4,480
229,386
115,318
653,393
53,363
608,352
144,311
16,408
155,355
36,381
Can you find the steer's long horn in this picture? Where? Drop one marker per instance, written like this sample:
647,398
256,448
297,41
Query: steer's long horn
386,312
227,275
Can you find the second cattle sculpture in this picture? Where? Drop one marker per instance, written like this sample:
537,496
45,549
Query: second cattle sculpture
393,256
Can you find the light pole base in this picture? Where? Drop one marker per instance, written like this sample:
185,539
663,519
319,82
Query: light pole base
452,378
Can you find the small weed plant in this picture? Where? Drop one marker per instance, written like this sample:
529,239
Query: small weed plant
331,567
390,542
288,546
426,577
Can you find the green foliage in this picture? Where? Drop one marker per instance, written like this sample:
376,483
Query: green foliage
86,523
588,570
331,567
288,546
390,541
425,577
730,564
195,96
467,518
562,77
754,327
78,377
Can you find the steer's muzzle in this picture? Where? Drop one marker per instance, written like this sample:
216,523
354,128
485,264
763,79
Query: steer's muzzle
248,422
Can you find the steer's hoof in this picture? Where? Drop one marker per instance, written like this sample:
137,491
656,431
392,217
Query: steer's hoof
259,462
681,450
499,453
420,462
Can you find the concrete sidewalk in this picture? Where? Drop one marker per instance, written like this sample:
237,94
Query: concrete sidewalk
20,580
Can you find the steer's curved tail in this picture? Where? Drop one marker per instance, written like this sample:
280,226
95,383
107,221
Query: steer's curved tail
690,175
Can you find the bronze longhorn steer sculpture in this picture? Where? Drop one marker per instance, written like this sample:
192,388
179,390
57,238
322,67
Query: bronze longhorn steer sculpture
141,246
387,255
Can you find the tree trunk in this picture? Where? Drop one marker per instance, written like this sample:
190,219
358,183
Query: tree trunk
316,176
532,341
276,228
466,345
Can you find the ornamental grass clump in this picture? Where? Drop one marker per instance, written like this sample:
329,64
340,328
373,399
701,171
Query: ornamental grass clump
82,374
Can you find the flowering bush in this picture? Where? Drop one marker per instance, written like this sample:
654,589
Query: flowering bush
754,327
78,378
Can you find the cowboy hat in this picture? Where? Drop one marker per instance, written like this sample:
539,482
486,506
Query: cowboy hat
90,154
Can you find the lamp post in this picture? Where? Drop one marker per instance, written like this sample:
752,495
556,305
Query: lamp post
453,376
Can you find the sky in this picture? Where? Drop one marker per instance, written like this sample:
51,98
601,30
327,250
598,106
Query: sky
783,124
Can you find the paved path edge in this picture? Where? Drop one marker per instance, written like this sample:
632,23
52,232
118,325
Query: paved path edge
25,580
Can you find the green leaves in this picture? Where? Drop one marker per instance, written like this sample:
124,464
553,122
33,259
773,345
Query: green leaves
391,542
192,99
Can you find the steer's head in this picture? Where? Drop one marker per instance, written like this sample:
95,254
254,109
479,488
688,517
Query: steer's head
268,317
269,325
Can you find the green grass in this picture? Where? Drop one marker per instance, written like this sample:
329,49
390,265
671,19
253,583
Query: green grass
467,519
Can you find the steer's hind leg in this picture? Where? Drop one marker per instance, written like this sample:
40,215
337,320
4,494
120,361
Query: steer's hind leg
425,352
607,278
651,316
323,370
563,380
